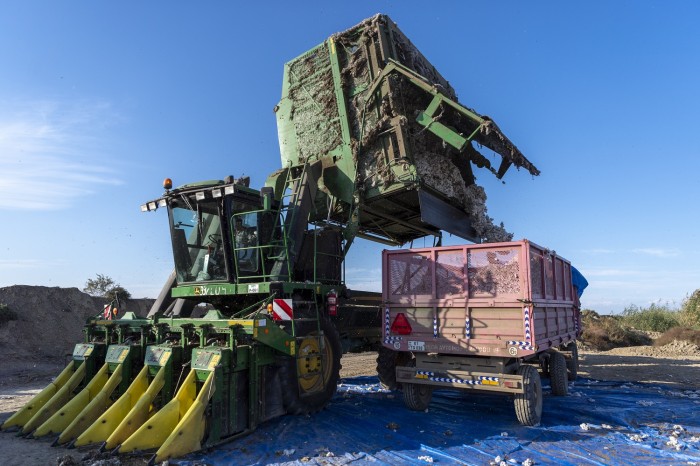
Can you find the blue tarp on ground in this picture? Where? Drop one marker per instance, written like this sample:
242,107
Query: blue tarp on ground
598,423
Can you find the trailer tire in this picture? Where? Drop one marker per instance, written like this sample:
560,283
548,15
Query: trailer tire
528,405
416,397
572,361
306,393
387,360
557,374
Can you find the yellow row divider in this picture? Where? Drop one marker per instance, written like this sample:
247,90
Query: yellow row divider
107,423
92,411
21,417
158,429
64,416
59,399
187,435
139,413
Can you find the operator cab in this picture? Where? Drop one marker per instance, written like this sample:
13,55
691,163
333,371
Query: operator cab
216,229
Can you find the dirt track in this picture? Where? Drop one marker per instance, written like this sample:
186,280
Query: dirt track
20,380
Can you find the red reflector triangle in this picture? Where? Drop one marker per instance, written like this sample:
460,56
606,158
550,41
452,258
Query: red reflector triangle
401,325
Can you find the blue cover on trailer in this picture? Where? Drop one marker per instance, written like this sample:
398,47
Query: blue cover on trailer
579,281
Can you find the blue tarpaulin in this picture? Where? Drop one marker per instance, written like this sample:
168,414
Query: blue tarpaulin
578,280
598,423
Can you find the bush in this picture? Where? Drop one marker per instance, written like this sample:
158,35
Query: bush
607,332
689,315
6,314
680,334
655,318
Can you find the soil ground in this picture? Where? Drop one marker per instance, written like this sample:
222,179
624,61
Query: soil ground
669,366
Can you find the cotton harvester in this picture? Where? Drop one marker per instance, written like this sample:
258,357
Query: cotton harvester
255,316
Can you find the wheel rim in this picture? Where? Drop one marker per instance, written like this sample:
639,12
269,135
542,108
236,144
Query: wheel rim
312,364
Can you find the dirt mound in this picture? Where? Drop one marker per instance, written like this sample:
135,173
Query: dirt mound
603,332
50,320
678,333
675,348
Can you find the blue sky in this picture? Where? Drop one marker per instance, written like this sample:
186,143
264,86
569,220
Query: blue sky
100,101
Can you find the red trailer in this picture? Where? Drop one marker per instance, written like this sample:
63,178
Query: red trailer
482,316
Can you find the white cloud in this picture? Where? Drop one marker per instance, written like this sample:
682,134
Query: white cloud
21,264
658,252
50,154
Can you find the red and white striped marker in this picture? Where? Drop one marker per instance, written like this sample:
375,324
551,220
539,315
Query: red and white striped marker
282,309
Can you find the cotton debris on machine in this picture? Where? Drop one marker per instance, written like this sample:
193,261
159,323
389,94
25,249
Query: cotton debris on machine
370,106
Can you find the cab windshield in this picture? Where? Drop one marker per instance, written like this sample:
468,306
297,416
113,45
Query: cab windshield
197,240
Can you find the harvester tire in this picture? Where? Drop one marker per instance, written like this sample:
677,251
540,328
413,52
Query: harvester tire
416,397
528,405
544,367
302,391
572,361
557,374
387,360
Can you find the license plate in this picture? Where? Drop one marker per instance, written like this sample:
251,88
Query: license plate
416,345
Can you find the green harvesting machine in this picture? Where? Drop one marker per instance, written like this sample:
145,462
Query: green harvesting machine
254,318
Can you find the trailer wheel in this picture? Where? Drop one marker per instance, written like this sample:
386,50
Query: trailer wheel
311,378
387,360
528,405
557,374
416,397
572,361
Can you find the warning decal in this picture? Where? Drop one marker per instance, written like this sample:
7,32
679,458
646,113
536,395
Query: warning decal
282,309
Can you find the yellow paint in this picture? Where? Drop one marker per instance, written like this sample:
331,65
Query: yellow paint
65,415
21,417
57,401
107,423
489,382
123,355
242,322
421,376
164,358
187,435
214,361
98,404
140,411
156,430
